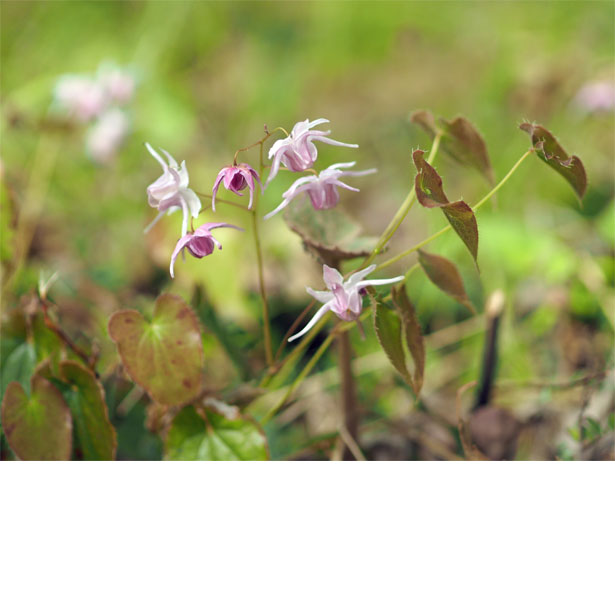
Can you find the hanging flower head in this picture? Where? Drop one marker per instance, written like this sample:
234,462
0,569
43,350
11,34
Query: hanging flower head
81,97
106,135
297,152
343,298
200,243
235,179
322,189
170,191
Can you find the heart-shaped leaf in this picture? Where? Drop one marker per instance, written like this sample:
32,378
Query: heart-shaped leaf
164,356
38,427
210,436
413,334
444,274
460,140
388,330
330,234
430,193
86,398
553,154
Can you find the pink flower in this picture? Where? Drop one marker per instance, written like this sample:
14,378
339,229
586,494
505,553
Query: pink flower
236,178
596,96
297,152
343,297
80,96
322,189
200,243
118,84
106,135
170,191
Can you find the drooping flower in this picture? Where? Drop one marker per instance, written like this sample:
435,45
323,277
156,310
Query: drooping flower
297,152
344,298
106,135
322,189
170,191
235,179
200,243
81,97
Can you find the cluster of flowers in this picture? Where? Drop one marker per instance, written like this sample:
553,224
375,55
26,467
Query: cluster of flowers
99,101
297,152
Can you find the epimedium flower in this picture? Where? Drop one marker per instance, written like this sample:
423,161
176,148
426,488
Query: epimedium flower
199,243
170,191
81,97
343,298
322,188
235,179
297,151
106,135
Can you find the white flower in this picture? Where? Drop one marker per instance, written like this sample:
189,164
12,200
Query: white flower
106,135
322,189
297,152
80,96
344,297
170,191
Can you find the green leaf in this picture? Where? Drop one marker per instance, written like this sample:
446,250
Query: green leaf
330,234
19,367
164,356
388,330
460,140
210,436
430,193
444,274
86,399
554,155
38,426
412,333
592,429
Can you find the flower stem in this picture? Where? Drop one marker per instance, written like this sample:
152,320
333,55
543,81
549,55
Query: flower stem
403,210
263,292
477,206
350,403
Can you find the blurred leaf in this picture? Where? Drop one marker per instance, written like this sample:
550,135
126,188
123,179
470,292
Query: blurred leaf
459,139
19,367
444,274
553,154
611,421
331,234
388,330
466,144
86,398
210,436
164,356
38,427
592,429
413,334
429,192
574,433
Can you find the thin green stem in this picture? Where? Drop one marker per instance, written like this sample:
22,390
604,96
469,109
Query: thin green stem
263,292
300,378
403,210
477,206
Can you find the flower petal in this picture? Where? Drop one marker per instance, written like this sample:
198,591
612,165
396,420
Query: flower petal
319,314
181,244
321,296
359,276
379,282
157,157
331,276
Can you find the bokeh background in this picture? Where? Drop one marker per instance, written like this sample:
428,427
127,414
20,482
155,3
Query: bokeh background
212,74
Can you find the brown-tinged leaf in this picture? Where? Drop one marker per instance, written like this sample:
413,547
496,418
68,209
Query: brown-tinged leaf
553,154
413,334
38,426
164,356
210,435
460,139
86,398
388,330
330,234
430,193
444,274
466,144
